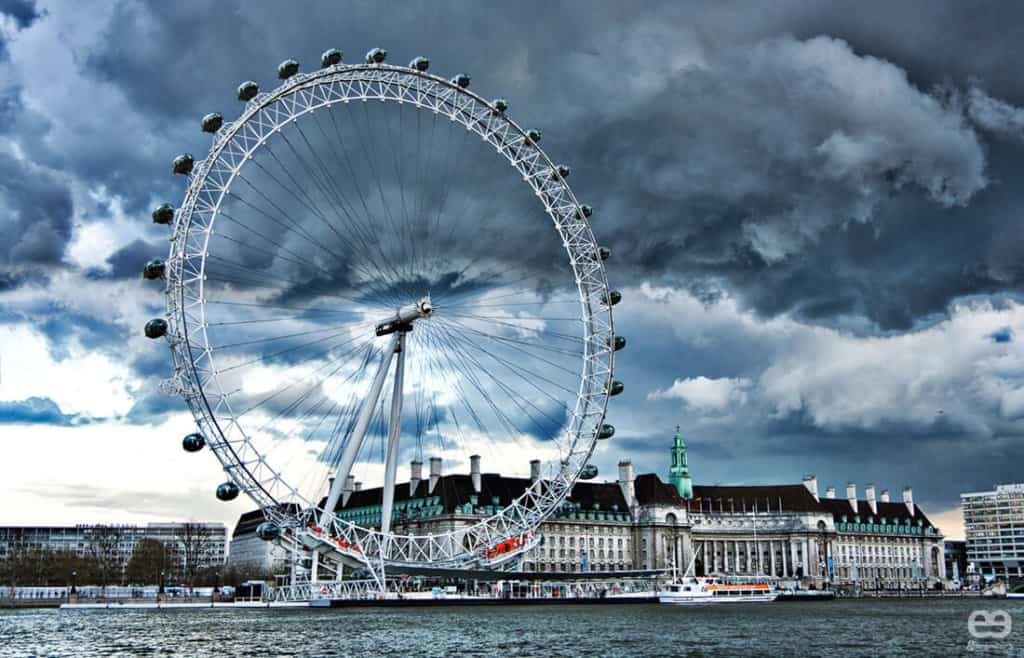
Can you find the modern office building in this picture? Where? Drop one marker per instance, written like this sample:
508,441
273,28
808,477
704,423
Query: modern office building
994,528
116,543
644,523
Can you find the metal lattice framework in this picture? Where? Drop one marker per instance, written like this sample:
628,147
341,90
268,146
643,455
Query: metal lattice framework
196,377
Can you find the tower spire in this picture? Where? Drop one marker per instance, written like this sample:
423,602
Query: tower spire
679,473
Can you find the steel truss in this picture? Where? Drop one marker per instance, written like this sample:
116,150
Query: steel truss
195,364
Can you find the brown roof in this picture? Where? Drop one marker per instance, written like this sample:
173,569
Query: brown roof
763,498
455,490
650,489
897,512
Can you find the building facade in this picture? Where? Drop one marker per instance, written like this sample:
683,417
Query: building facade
956,559
994,530
642,523
252,553
115,544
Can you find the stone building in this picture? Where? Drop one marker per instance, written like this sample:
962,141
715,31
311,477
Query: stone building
642,523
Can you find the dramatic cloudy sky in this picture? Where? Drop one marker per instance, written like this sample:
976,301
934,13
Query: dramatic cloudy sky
813,211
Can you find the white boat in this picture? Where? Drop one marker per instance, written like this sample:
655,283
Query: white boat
713,589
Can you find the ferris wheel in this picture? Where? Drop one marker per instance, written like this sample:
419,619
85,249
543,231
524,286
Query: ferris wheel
361,272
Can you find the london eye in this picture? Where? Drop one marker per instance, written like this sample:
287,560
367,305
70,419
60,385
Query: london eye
373,263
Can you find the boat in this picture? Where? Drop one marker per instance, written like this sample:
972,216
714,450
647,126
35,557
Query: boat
715,588
698,590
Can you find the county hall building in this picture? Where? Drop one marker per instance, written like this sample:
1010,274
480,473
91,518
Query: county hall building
643,523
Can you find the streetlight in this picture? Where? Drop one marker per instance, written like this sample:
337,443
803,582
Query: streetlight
74,582
161,592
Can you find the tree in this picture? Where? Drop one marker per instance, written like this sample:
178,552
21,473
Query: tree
102,550
150,558
194,543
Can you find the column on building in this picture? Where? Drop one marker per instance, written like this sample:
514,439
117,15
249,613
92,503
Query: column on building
771,556
793,558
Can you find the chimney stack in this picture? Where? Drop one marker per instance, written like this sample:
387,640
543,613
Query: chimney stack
869,494
415,475
347,490
626,483
830,493
358,486
885,495
908,498
811,483
435,473
474,472
534,470
851,495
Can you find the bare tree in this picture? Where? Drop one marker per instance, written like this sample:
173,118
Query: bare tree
102,550
195,541
10,565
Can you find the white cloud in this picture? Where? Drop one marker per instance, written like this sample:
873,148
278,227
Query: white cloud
89,383
952,372
705,394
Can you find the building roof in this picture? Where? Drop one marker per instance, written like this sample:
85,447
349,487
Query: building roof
249,521
762,498
892,512
455,491
651,490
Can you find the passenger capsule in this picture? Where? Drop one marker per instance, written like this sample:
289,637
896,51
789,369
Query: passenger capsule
330,57
614,296
156,328
376,56
183,164
227,491
616,388
421,64
606,432
561,171
212,122
163,214
462,80
193,442
585,211
589,472
618,343
604,252
268,531
500,105
248,90
154,269
287,69
533,135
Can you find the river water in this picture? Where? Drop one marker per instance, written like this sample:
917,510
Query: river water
909,627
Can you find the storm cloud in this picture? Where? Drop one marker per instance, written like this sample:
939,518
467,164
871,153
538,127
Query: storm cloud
813,210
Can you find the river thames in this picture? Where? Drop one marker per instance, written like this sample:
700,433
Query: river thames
935,627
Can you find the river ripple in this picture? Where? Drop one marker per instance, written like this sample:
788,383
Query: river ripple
846,628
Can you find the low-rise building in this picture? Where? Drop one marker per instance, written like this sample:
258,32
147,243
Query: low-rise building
644,523
115,544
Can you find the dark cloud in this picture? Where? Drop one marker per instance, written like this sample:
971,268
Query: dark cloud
24,12
128,261
36,214
803,161
36,411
